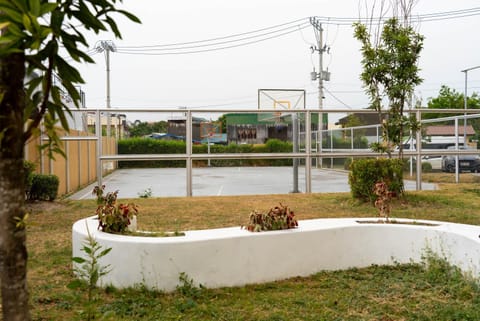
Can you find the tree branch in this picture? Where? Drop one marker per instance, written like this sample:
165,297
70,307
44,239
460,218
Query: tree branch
44,104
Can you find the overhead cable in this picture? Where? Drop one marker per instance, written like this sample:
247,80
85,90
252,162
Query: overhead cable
276,31
212,47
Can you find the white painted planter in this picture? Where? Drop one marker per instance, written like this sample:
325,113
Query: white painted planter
235,257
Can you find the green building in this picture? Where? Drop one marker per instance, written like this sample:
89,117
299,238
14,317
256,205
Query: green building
257,128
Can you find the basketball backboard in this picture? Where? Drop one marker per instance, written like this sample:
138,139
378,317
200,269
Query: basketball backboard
282,100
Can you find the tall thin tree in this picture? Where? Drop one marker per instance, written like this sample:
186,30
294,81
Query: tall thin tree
390,53
33,34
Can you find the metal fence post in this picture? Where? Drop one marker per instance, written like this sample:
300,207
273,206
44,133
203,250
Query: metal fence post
457,165
188,141
418,139
296,132
98,132
308,152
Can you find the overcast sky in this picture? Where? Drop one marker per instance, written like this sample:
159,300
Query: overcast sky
231,77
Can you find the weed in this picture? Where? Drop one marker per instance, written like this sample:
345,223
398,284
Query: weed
187,287
147,193
89,270
189,293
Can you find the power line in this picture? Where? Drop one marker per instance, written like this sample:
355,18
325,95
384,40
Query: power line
180,52
276,31
438,16
336,98
217,38
279,32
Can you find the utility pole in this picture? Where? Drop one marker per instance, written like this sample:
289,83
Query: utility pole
107,46
321,76
465,105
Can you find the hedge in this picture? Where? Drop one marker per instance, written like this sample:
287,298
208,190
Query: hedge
365,173
44,187
153,146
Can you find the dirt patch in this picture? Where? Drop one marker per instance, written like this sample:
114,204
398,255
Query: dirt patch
43,206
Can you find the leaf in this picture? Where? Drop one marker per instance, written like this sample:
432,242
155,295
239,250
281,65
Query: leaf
104,252
27,23
79,260
87,250
130,16
14,15
47,8
4,25
34,7
75,284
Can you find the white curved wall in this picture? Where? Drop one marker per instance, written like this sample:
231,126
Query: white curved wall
235,257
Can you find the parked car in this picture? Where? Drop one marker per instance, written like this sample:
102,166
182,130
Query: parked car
466,162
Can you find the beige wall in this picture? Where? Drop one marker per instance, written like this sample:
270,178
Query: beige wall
79,168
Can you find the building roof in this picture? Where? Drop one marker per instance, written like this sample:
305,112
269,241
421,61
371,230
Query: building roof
448,130
365,118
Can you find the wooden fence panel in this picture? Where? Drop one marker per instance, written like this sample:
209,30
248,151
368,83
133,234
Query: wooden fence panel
79,168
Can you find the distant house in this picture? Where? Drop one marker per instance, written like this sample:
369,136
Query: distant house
257,128
176,127
118,123
446,133
364,119
176,130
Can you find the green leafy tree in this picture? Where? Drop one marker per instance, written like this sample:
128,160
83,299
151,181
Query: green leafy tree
449,98
139,128
159,127
452,99
390,74
35,34
223,120
353,121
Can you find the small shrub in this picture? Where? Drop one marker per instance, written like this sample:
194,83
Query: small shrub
113,218
427,167
44,187
278,218
365,173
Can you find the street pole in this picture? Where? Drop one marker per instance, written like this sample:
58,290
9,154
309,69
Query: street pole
107,57
465,103
107,46
320,91
321,76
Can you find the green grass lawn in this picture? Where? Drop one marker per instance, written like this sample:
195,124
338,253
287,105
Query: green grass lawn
430,291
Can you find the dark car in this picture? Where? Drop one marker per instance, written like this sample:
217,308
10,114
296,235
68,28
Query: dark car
469,163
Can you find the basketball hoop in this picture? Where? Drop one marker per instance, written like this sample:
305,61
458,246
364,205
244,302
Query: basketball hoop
277,119
210,129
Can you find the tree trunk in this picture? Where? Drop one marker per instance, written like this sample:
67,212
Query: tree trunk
13,251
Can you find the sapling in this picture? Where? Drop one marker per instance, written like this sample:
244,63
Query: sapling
88,269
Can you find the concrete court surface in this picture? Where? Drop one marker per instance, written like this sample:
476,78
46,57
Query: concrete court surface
216,181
